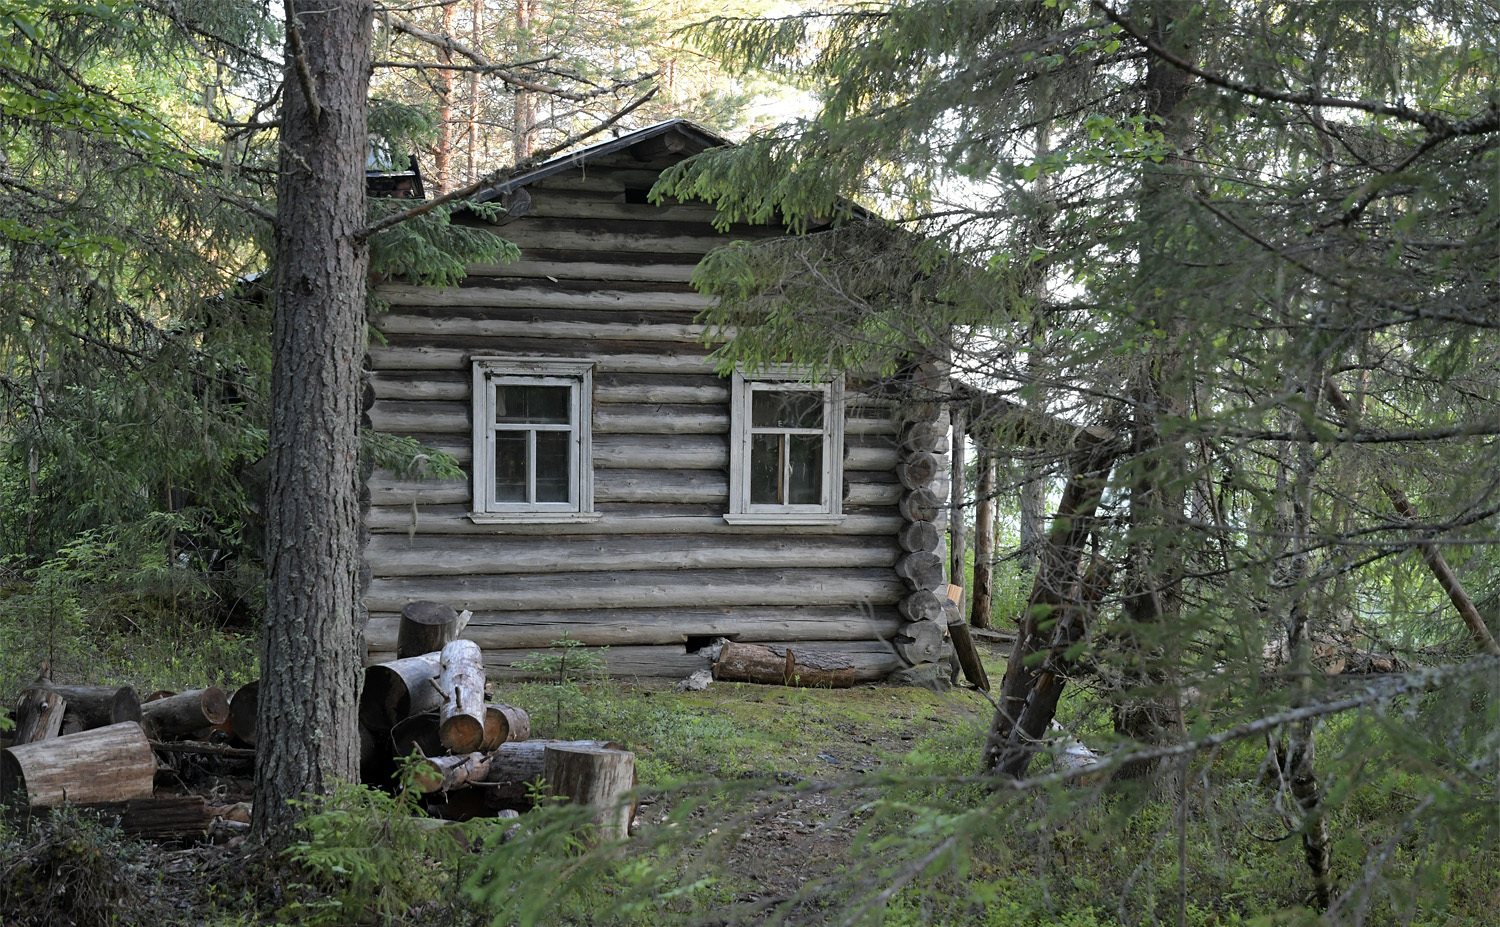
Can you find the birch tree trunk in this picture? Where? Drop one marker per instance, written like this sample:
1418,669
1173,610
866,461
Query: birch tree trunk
308,699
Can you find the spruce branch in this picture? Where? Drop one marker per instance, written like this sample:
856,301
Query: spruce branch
299,64
497,177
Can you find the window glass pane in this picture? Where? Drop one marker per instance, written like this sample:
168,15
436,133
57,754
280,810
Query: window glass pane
531,404
552,465
510,466
786,409
765,469
806,487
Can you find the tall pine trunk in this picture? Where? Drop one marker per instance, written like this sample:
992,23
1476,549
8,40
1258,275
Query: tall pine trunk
310,653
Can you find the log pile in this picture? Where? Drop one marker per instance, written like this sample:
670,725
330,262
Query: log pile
99,748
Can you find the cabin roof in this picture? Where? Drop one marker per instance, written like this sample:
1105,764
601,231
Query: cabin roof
691,138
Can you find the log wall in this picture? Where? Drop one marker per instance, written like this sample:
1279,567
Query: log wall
604,276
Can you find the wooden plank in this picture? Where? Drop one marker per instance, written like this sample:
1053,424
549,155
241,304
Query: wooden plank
411,295
428,357
453,519
616,627
392,555
641,589
586,270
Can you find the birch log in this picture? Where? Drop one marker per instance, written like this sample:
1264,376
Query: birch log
461,682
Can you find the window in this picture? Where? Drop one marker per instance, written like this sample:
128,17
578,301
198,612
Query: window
532,449
786,451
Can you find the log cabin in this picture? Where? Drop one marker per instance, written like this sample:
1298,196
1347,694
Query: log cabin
618,490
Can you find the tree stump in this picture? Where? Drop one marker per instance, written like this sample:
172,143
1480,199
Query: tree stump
112,763
515,767
461,718
595,776
185,713
426,627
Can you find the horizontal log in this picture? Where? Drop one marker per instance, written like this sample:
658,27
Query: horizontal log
454,386
167,818
586,270
453,519
539,297
786,666
621,242
643,589
395,324
675,452
396,555
620,627
420,357
657,418
110,763
561,206
858,493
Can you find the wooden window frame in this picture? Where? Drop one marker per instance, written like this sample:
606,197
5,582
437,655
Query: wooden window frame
578,375
829,511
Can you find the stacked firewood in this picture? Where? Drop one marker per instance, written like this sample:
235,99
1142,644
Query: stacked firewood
424,713
474,757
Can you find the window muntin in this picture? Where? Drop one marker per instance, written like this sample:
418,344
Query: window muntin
531,439
787,444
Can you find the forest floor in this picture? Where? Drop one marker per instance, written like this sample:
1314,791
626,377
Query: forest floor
762,803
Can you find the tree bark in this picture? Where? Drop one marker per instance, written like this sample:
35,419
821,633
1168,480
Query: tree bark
1056,616
982,598
308,700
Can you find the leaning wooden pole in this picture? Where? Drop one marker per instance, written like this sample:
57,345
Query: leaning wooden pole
1430,553
956,498
984,542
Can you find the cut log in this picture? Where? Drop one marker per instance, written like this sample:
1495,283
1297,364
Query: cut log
427,627
243,712
112,763
445,773
398,689
99,706
921,605
515,767
925,437
169,818
920,537
783,666
963,642
921,571
419,732
920,641
461,718
505,724
39,716
595,776
921,505
190,711
918,470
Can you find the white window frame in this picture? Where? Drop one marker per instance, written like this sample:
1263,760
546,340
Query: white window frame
578,375
829,510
